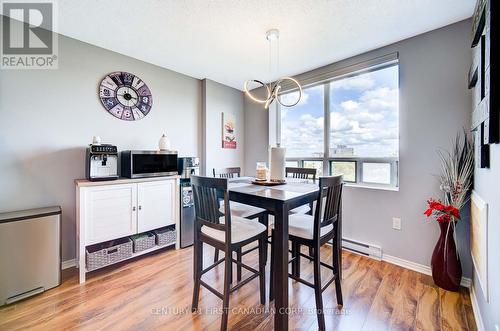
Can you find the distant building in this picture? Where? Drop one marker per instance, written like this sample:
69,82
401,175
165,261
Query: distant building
341,150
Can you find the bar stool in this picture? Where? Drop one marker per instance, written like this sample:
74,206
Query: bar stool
238,209
314,231
227,233
301,173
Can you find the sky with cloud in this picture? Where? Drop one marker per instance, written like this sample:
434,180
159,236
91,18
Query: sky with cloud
364,116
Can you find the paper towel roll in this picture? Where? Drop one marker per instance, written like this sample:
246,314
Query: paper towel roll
277,164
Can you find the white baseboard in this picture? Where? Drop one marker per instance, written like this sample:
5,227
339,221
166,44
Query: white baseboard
475,309
407,264
465,282
68,264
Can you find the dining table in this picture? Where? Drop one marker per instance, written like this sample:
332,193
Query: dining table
278,200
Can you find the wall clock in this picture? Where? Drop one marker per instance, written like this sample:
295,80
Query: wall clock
125,96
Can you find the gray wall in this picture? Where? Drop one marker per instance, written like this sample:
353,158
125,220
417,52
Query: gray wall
256,133
434,105
47,117
486,184
216,99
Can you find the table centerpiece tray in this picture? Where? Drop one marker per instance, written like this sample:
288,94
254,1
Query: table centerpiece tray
267,182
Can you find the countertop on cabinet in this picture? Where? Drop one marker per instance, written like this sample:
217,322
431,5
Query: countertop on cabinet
121,180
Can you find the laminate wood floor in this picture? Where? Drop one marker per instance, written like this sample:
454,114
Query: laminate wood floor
154,293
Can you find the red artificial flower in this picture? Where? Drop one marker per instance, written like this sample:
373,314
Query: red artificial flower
453,211
436,205
428,212
443,213
443,218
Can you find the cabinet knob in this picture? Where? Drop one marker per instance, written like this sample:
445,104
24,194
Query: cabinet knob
133,208
140,207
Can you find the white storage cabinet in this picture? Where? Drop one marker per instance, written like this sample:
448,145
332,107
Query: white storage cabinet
113,209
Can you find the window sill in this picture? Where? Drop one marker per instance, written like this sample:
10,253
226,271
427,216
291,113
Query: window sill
373,187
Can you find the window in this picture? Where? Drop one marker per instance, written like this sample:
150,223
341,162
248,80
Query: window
364,115
357,117
378,173
302,126
346,168
318,165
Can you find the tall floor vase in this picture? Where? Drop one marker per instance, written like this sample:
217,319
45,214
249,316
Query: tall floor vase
446,266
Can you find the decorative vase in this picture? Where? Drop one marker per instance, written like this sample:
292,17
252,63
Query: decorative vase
164,143
445,263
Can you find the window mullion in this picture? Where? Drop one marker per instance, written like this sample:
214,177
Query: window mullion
326,128
359,171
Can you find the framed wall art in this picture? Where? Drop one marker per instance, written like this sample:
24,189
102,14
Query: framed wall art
228,131
479,240
484,79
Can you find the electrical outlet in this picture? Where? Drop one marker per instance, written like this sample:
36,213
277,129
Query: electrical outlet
396,223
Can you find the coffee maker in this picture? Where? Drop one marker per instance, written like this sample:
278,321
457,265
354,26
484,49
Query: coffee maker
101,162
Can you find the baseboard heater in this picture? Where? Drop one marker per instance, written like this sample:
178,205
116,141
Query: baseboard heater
373,251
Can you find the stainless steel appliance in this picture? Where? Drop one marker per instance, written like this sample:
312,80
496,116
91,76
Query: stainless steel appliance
30,253
188,166
140,164
101,162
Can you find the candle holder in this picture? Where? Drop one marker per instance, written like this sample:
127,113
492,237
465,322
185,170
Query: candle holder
261,172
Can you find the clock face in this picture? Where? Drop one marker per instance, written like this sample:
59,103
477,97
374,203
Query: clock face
125,96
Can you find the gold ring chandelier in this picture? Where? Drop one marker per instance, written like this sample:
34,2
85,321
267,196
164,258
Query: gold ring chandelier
273,90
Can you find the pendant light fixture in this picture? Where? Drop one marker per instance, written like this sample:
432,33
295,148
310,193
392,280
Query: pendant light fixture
273,90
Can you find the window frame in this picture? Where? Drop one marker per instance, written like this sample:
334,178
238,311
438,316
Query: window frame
356,168
359,69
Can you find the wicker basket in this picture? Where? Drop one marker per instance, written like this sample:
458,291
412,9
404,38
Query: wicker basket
101,255
143,241
165,236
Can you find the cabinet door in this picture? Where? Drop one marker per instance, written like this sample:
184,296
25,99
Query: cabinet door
156,204
110,212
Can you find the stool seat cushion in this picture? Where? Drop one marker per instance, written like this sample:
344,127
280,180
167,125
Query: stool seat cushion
301,225
241,229
241,210
304,209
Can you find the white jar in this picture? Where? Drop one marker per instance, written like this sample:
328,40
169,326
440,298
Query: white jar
261,171
164,143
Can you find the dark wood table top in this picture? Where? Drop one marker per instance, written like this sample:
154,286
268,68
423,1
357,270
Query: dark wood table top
292,189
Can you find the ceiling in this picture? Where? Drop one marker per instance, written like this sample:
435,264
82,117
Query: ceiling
225,40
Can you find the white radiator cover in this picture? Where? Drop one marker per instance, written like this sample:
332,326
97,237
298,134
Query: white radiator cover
369,250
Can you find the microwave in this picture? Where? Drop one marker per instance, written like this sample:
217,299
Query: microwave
141,164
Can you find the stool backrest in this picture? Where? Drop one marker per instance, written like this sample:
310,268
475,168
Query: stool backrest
331,197
207,192
303,173
227,172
